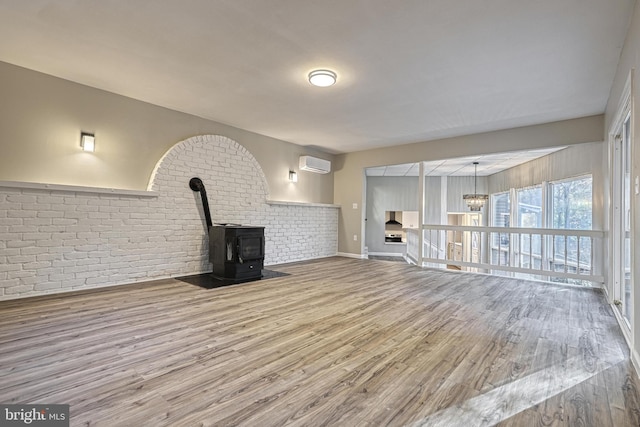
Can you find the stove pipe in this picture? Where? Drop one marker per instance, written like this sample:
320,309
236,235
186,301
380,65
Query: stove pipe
196,184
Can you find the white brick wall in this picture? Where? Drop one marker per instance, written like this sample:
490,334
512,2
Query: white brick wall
54,240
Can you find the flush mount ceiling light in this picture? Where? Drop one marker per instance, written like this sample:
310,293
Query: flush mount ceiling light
322,78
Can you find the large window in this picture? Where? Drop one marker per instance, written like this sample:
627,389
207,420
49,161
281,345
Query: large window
571,202
530,215
565,204
571,208
500,217
530,207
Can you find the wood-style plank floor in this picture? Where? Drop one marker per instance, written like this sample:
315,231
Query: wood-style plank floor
338,342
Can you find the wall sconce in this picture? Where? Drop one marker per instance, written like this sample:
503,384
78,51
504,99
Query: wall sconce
293,177
88,142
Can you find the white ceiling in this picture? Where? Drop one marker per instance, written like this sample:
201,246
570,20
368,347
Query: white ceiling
463,166
407,71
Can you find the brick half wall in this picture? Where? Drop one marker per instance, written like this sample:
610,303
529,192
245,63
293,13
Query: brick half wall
58,239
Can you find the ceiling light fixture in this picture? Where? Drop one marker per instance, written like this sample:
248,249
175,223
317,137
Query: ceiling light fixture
475,201
322,78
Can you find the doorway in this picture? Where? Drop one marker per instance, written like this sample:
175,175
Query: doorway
621,238
620,143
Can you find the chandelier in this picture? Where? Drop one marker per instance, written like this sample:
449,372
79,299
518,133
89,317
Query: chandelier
475,201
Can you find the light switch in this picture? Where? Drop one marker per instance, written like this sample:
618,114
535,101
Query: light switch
637,185
355,206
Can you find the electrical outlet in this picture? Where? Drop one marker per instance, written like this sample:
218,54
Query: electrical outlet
355,237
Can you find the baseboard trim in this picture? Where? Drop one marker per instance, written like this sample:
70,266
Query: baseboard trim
635,361
349,255
626,333
397,254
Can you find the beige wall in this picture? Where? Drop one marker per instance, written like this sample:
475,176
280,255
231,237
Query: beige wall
41,118
349,175
630,60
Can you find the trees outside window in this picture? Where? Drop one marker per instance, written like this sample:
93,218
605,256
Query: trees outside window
565,204
571,208
572,204
500,217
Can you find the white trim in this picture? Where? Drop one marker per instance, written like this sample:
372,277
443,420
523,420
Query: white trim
350,255
77,189
395,254
311,205
626,332
635,361
599,234
299,260
625,109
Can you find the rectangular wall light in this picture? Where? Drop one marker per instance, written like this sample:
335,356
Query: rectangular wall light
88,142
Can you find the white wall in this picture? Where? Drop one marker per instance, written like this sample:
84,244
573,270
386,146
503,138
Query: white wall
434,189
58,238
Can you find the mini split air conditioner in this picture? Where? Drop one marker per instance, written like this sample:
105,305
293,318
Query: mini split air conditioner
314,164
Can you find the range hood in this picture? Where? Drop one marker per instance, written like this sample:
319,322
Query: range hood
392,219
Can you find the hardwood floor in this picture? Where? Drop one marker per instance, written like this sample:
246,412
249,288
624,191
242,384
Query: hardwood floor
338,342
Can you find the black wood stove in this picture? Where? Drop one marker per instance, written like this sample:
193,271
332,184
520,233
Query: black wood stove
236,251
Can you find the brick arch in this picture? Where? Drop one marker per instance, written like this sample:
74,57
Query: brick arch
205,154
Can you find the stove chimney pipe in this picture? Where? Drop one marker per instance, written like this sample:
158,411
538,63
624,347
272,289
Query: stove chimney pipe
196,184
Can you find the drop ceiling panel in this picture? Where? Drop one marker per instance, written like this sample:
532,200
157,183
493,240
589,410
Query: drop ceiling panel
463,166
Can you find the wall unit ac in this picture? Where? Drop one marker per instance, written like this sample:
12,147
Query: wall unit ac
314,164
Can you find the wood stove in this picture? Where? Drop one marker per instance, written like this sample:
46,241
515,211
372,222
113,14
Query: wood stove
236,251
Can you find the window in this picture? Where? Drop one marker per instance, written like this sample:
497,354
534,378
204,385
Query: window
530,215
530,207
523,250
500,217
571,204
571,208
501,209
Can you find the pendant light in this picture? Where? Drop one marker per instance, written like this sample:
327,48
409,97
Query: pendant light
475,201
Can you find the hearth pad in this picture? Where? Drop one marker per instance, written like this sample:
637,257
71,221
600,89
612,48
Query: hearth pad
209,281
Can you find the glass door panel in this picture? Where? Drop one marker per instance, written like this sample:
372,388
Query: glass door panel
626,220
622,218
